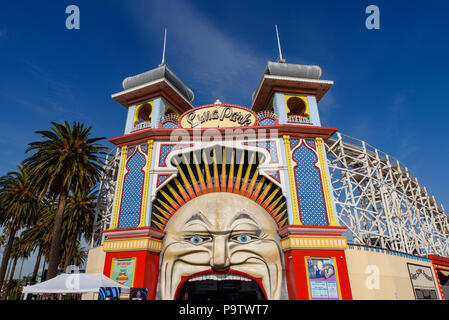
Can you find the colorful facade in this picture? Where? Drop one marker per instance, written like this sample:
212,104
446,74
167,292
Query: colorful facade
222,201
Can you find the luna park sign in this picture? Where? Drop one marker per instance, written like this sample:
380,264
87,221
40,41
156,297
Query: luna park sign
217,116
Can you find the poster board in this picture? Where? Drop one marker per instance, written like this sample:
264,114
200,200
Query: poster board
138,294
322,278
423,282
123,270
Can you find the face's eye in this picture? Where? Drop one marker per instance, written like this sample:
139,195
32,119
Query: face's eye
198,239
243,238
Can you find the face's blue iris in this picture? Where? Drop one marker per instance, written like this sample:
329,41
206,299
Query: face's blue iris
196,239
243,238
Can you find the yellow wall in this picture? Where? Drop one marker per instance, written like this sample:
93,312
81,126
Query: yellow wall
94,264
394,279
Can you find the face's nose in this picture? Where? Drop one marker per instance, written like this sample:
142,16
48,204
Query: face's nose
220,260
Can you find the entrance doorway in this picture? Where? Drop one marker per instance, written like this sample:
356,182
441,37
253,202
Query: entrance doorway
221,290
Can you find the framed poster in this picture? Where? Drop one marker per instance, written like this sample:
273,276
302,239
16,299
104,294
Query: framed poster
322,278
138,294
122,271
422,282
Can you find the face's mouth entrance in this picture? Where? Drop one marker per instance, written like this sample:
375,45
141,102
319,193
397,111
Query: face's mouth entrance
221,286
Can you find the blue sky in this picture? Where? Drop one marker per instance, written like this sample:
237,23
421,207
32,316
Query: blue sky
390,84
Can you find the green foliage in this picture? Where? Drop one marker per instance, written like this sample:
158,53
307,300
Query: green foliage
67,159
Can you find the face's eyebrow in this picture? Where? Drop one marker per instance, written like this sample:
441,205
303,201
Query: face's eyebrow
198,217
243,216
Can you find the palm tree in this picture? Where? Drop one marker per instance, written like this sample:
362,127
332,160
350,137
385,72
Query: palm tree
14,256
66,160
39,235
17,209
20,250
78,220
79,255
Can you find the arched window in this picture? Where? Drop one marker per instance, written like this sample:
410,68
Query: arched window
143,112
296,107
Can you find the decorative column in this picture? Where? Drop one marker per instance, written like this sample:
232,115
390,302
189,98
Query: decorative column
326,184
119,186
146,195
291,182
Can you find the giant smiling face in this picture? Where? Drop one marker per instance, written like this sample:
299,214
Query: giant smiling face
223,236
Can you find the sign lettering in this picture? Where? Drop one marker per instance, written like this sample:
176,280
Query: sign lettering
218,116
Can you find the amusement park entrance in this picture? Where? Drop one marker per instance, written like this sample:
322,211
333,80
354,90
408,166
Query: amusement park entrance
221,290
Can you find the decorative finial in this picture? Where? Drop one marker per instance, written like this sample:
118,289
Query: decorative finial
163,50
217,101
281,60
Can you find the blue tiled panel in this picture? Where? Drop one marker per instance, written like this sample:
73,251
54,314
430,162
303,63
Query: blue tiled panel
169,125
275,175
267,122
311,143
293,143
310,194
132,192
165,149
160,179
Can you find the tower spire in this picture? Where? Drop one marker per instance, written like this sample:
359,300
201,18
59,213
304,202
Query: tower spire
281,60
163,50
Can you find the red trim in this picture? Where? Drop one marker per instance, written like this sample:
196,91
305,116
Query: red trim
165,134
127,232
311,230
439,260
